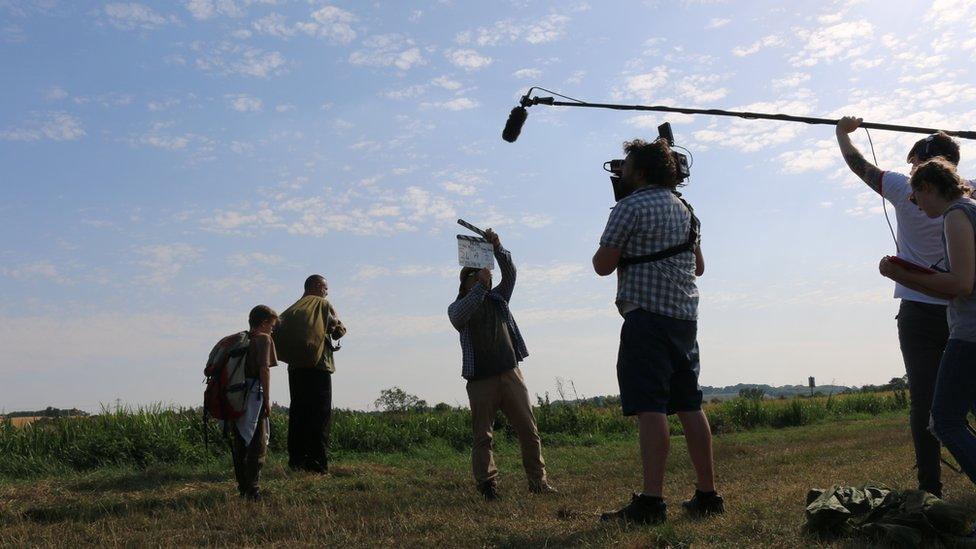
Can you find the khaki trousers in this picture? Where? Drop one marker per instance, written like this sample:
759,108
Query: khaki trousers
505,392
249,458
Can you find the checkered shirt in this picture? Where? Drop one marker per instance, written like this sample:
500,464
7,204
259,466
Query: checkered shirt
465,307
652,219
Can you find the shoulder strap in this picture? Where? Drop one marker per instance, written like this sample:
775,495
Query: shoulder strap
686,246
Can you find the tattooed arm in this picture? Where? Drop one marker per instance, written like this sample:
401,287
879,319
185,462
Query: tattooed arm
868,172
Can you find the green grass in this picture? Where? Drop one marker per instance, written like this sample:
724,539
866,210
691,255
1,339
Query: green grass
425,496
148,437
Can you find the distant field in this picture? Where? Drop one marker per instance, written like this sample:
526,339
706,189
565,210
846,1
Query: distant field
22,421
425,497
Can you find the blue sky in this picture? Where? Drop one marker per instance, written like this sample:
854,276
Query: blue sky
166,166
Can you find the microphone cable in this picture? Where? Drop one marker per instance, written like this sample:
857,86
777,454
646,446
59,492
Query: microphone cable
884,203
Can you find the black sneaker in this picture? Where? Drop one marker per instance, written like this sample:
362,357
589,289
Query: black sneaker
641,510
489,491
704,504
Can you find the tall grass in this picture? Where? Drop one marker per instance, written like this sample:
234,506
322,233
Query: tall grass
147,436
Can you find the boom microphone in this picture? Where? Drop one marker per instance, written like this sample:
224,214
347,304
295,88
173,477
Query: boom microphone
513,127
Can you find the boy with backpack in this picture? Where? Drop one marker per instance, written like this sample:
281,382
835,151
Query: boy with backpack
238,392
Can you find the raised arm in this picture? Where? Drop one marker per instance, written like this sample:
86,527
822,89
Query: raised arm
505,265
869,173
464,307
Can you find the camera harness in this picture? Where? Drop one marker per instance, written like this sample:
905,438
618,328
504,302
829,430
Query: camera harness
687,246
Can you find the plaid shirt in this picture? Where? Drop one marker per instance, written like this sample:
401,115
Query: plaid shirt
652,219
465,307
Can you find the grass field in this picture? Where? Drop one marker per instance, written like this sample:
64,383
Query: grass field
426,498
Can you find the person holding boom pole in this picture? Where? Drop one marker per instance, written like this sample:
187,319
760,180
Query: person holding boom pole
922,327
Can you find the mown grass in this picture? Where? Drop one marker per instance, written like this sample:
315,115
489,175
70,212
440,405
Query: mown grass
153,436
425,497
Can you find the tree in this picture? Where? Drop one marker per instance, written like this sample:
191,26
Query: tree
752,393
396,399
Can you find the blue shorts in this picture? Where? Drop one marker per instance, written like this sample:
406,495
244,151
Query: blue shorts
657,365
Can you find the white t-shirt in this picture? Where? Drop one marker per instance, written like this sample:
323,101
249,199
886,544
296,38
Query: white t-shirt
919,236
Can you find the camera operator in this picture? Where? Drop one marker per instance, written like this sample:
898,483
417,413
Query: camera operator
658,362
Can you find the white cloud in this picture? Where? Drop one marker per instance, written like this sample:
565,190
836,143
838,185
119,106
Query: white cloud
34,271
157,105
536,221
333,23
52,125
652,121
700,88
408,92
388,50
274,24
468,60
12,34
284,107
553,273
241,147
457,104
244,103
231,222
716,23
130,16
576,77
866,203
645,86
949,12
253,259
765,42
55,93
818,156
158,137
239,59
165,261
791,80
847,40
533,74
446,83
546,29
757,135
207,9
458,188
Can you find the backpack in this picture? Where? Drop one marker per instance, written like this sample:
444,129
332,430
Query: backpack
226,392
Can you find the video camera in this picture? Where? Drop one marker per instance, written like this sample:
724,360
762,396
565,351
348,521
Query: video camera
616,167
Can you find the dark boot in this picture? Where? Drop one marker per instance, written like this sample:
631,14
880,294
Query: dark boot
489,491
641,510
704,503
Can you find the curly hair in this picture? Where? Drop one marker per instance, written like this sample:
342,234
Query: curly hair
655,159
941,174
937,144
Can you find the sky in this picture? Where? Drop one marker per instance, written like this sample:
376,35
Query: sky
166,166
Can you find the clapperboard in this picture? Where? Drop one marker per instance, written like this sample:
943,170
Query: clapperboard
475,251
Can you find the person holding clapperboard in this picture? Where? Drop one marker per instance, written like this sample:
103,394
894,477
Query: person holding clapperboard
492,347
